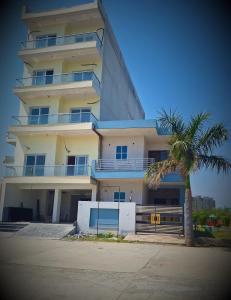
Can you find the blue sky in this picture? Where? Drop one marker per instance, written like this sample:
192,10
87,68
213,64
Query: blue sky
177,53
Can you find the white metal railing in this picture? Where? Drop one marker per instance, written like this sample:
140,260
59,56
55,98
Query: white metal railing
40,80
55,170
131,164
62,40
60,118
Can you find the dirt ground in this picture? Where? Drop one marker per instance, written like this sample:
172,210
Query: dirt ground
56,269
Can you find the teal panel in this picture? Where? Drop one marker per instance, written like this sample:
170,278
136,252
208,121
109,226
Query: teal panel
106,217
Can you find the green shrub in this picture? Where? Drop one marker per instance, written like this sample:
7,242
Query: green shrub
106,235
225,220
195,217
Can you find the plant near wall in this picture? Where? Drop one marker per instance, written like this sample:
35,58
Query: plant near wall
191,148
226,219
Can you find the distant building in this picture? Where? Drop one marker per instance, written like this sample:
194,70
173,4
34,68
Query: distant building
200,202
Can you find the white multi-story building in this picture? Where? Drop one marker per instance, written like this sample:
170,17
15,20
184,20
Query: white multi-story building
199,202
81,132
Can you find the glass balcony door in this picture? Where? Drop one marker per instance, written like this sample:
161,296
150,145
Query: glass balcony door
47,40
34,165
41,77
38,115
80,115
77,165
82,76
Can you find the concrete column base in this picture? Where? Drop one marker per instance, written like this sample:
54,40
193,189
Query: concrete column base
56,206
2,200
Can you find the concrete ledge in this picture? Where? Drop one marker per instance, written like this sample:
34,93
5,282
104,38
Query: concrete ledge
156,238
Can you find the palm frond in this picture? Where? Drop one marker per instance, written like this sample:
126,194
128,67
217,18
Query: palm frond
179,148
195,125
158,170
172,121
214,162
213,137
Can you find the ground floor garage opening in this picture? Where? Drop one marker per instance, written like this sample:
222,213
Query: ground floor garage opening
165,197
33,204
27,204
69,204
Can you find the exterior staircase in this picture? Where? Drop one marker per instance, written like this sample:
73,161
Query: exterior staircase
46,230
11,227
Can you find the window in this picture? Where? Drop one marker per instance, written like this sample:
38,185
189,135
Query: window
77,165
38,115
41,77
34,165
121,152
119,196
81,76
158,155
80,115
84,37
46,40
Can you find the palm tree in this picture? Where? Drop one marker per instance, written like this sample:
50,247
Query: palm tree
191,148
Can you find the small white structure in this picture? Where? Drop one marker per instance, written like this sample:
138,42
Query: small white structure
107,217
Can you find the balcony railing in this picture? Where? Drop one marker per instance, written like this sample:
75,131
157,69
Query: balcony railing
62,40
131,164
61,118
58,79
8,159
10,135
56,170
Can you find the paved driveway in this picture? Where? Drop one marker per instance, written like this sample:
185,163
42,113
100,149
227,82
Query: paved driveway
53,269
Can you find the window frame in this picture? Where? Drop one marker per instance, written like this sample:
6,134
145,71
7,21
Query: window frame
39,116
71,170
80,114
45,37
119,199
121,153
37,170
45,77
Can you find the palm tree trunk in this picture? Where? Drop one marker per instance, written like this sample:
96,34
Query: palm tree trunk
188,226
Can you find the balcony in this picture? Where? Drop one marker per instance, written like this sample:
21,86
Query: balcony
115,169
38,171
76,83
62,123
133,168
76,46
11,139
51,119
8,159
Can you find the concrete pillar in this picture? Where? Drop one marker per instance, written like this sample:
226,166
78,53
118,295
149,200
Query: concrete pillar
94,193
2,199
182,196
56,206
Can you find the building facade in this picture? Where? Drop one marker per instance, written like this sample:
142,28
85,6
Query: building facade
81,132
199,202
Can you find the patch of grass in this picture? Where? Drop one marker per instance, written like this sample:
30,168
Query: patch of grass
217,233
101,237
222,234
